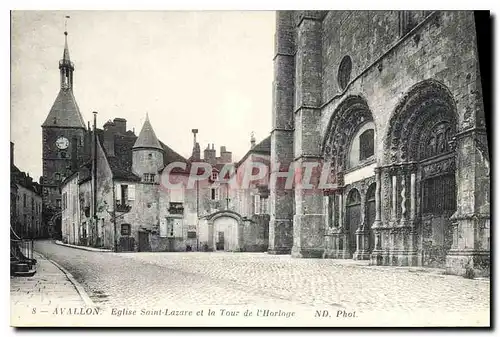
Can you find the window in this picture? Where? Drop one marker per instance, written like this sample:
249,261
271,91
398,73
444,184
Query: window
264,205
125,229
215,176
366,144
191,235
214,193
64,203
57,177
124,193
256,204
58,203
170,227
83,230
24,200
32,204
344,73
150,156
176,208
148,178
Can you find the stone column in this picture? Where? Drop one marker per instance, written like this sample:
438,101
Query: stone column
326,211
376,256
308,231
471,221
378,204
281,219
362,233
394,201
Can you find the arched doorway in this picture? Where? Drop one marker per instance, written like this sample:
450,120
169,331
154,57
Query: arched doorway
226,233
421,158
353,217
349,148
370,215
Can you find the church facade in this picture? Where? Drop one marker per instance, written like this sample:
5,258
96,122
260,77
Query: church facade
392,100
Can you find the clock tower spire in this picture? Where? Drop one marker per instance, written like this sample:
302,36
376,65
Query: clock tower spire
63,139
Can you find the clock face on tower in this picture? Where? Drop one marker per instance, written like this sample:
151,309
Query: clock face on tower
62,143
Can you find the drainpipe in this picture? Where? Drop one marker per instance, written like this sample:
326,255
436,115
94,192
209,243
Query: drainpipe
197,216
113,218
94,176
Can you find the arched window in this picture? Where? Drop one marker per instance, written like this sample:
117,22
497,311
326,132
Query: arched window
362,146
366,144
344,74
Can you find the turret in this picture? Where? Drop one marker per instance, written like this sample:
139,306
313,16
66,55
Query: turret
147,154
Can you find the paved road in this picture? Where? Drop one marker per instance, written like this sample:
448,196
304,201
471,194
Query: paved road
156,279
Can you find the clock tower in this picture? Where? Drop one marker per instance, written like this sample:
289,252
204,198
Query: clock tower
63,138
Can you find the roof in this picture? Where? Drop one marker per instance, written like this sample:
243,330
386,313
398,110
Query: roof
264,147
23,179
64,112
147,137
121,162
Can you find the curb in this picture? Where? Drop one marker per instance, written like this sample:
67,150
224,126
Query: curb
88,249
79,288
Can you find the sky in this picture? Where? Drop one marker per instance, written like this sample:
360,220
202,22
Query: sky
207,70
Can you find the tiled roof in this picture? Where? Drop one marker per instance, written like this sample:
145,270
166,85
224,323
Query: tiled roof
121,163
64,112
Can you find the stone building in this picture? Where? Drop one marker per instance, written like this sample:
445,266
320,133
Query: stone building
242,221
393,101
122,199
25,203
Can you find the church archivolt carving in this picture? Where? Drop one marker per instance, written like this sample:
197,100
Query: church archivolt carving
347,118
428,109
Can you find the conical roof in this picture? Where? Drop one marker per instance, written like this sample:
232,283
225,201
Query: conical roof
65,111
147,137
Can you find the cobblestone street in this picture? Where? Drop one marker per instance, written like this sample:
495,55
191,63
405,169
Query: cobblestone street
158,279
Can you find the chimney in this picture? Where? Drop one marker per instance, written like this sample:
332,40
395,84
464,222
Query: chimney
225,155
196,147
252,140
120,125
109,138
11,154
194,131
